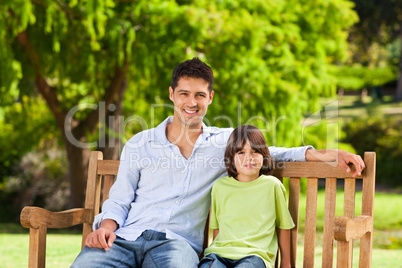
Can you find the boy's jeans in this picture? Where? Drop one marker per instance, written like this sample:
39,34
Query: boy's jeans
151,249
215,261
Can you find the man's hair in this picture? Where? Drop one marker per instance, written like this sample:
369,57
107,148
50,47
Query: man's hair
194,68
236,142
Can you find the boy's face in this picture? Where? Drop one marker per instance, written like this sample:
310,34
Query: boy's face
248,163
191,99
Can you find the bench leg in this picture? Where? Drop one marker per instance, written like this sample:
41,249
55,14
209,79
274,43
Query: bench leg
37,247
345,257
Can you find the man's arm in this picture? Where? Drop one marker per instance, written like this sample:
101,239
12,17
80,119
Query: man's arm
103,237
342,157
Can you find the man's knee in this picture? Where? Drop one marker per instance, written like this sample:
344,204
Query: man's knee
95,257
172,253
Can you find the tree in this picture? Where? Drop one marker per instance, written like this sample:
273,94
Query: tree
116,57
78,54
380,25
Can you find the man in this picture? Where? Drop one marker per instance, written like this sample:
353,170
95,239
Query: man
157,208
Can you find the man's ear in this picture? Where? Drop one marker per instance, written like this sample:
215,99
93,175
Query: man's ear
171,93
211,96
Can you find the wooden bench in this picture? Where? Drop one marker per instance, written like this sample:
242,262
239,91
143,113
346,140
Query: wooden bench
344,230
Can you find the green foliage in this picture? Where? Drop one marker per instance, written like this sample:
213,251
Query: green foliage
359,77
270,59
271,56
382,135
24,126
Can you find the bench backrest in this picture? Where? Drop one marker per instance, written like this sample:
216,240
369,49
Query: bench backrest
102,173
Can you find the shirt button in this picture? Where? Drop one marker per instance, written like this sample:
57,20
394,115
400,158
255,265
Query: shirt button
177,201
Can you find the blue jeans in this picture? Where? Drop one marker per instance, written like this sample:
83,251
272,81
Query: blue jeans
215,261
151,249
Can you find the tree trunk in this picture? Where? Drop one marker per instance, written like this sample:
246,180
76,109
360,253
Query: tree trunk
77,172
112,146
398,95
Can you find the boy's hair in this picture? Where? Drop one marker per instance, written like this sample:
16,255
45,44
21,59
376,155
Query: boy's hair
194,68
236,142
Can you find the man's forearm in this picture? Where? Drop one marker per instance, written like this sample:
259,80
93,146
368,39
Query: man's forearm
343,158
328,155
109,224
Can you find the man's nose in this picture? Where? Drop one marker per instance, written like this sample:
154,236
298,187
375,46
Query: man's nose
191,101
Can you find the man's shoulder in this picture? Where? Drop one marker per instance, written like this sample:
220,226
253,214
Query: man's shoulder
219,130
140,139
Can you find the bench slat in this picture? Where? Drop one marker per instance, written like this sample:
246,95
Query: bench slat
329,223
310,170
294,198
345,249
108,181
310,225
108,167
366,243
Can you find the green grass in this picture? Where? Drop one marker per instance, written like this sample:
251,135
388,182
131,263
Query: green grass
62,249
387,214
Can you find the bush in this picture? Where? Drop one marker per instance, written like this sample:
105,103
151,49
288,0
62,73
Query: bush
382,135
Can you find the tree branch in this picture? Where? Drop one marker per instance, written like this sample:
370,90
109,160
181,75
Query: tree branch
116,85
48,92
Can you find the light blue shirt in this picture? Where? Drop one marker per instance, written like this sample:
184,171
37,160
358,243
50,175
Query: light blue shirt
159,189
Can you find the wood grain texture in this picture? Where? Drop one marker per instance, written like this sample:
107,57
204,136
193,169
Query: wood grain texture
366,242
310,170
329,223
311,222
345,229
108,167
35,217
294,199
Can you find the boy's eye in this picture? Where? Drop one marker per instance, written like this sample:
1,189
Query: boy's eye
240,152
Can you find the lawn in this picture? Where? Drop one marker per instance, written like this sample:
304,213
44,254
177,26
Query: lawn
63,248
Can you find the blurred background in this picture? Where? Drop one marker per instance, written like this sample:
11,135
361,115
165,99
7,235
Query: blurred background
95,72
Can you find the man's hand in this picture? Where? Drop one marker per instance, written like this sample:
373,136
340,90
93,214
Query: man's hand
342,157
103,237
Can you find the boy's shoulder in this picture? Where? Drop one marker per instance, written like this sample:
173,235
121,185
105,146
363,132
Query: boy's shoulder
269,179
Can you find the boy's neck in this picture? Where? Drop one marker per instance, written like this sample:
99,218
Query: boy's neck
245,178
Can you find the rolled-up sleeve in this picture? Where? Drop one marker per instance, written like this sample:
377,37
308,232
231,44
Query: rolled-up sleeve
289,154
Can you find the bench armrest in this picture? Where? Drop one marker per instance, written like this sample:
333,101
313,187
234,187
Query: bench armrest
347,229
35,217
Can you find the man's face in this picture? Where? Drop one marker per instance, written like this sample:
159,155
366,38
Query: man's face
191,99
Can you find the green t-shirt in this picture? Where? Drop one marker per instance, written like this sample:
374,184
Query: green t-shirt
247,214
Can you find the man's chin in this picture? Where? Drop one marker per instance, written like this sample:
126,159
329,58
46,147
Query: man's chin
192,122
